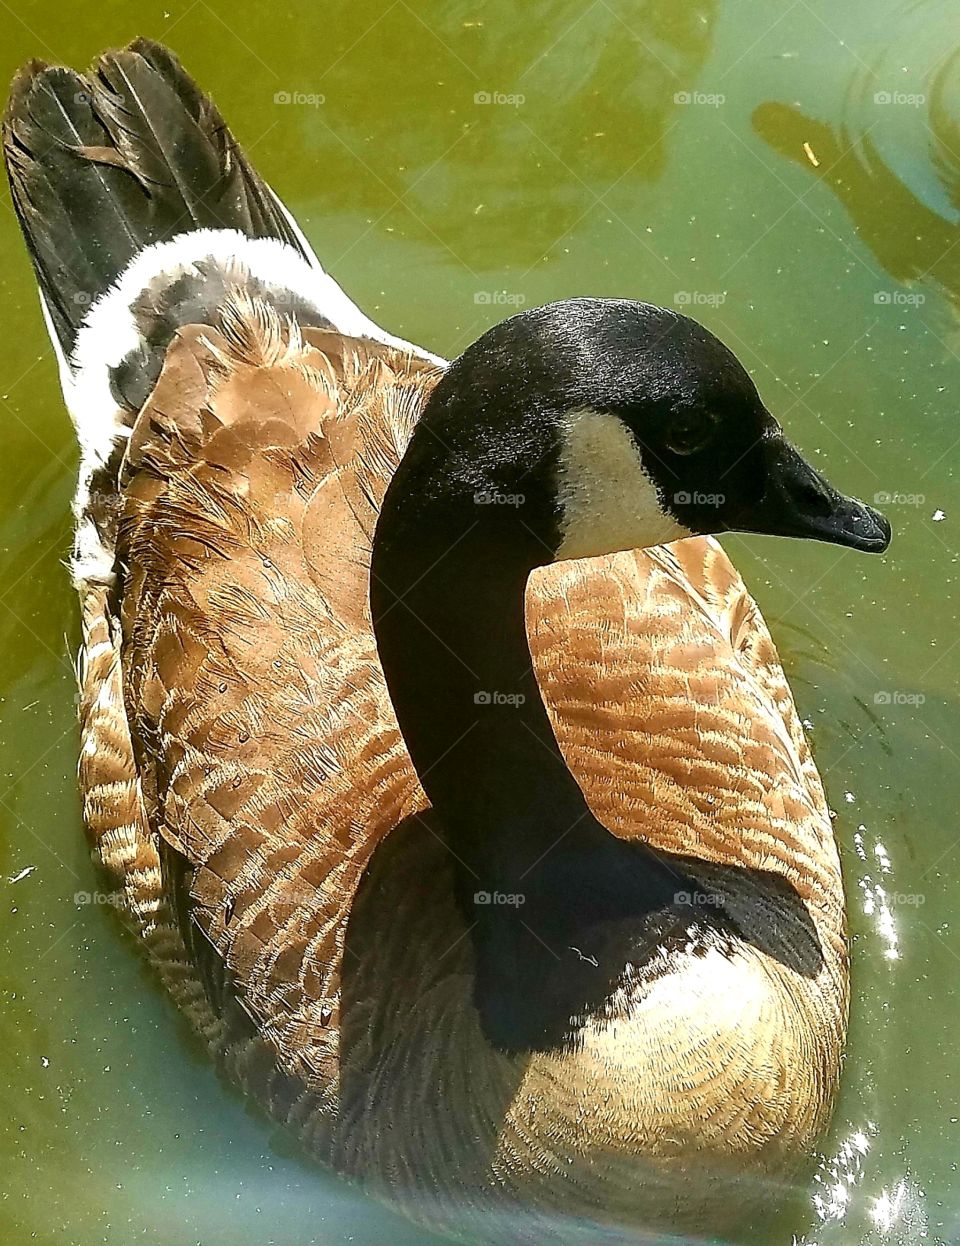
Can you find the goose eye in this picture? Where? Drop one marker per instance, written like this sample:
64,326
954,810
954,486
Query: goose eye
690,432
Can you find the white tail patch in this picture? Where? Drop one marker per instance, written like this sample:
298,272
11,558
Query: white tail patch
109,334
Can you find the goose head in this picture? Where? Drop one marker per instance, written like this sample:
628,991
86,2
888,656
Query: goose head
603,425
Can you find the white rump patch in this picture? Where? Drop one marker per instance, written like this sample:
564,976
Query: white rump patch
109,334
609,501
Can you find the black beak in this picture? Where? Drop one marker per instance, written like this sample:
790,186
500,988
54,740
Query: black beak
797,501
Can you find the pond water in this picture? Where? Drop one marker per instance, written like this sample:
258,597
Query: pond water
790,174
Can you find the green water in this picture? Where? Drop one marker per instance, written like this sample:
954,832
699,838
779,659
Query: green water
439,214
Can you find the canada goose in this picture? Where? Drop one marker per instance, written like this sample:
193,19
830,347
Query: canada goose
590,966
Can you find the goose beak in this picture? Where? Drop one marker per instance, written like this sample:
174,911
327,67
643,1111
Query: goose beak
797,501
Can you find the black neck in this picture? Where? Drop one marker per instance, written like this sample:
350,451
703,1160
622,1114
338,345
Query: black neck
448,608
447,597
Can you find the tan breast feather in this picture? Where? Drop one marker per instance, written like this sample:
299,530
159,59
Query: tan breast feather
241,762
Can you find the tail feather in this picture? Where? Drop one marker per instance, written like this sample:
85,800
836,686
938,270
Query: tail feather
49,120
171,136
107,164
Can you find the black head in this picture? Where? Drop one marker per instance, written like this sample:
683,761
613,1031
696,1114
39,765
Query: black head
623,425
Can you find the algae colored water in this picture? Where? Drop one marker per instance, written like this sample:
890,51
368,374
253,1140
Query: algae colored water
789,173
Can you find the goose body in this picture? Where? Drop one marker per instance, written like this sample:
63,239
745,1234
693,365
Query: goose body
252,797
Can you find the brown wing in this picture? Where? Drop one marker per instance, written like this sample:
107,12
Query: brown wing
267,753
668,699
255,759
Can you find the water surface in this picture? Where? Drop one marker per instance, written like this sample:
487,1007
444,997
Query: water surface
787,173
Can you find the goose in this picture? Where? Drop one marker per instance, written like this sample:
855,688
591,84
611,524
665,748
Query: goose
439,759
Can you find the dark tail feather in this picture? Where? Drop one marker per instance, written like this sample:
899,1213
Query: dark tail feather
106,164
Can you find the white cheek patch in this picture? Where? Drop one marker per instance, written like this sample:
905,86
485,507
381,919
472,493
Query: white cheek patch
608,500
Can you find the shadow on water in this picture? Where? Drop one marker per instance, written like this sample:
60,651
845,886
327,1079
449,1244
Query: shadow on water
893,156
